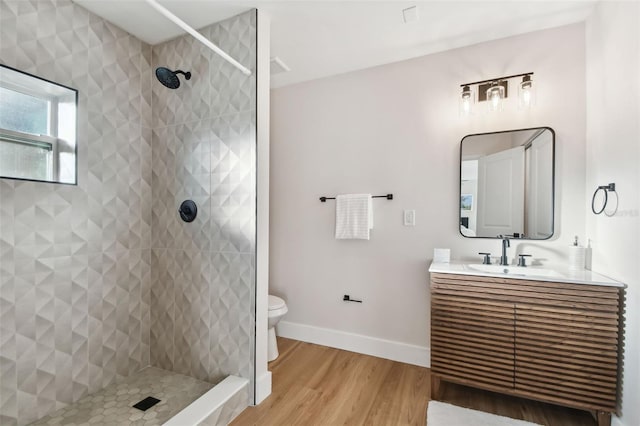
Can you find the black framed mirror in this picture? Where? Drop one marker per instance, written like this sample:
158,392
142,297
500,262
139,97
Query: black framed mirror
38,128
507,182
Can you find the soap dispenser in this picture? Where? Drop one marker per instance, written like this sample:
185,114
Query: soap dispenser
577,255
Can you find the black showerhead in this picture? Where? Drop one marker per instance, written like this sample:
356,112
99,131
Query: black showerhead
170,78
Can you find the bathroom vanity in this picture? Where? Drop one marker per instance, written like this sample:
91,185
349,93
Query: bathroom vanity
535,333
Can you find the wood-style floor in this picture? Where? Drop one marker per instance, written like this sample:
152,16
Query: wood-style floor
317,385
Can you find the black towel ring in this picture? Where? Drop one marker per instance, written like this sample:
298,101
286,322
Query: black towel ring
605,188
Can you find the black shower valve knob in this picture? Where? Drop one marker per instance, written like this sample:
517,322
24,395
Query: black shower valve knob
188,211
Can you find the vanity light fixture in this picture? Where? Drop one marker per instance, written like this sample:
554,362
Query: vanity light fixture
494,91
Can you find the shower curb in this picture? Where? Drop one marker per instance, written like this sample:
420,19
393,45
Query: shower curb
219,406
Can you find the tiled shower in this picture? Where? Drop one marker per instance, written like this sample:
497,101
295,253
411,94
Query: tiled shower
99,280
204,149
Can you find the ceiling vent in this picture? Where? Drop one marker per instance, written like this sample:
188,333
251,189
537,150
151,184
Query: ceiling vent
277,66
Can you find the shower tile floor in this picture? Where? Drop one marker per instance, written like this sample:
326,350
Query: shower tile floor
113,404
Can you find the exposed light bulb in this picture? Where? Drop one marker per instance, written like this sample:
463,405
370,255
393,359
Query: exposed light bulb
466,101
495,99
526,93
495,95
466,106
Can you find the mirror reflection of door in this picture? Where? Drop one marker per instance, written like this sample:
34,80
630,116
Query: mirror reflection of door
500,194
539,187
506,184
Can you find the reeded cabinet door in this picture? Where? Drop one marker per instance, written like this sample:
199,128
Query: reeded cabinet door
472,338
569,355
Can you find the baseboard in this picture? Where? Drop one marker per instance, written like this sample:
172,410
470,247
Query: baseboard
263,387
382,348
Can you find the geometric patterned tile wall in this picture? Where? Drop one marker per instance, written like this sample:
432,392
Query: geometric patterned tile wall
75,261
204,148
86,270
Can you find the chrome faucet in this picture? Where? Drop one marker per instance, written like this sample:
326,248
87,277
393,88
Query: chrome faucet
504,260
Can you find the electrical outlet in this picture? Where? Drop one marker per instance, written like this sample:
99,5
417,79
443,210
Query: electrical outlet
409,218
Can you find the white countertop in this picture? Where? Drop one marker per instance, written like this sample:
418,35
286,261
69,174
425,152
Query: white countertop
563,276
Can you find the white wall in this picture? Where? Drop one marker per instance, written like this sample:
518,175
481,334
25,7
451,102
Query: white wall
396,128
613,155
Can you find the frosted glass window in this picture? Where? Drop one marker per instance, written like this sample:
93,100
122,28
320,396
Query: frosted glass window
25,161
24,113
37,128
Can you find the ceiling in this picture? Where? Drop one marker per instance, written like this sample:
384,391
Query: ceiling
322,38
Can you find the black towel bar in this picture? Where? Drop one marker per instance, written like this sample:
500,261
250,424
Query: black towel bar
388,197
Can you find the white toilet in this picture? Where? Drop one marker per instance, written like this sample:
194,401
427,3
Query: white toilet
277,309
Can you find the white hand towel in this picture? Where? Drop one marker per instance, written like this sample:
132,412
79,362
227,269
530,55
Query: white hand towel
354,216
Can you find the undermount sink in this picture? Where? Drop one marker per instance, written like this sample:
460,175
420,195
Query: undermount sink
515,270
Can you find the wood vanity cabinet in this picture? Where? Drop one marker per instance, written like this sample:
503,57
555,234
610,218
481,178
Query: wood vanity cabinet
549,341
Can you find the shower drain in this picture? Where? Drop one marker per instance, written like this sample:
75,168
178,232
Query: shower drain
146,403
